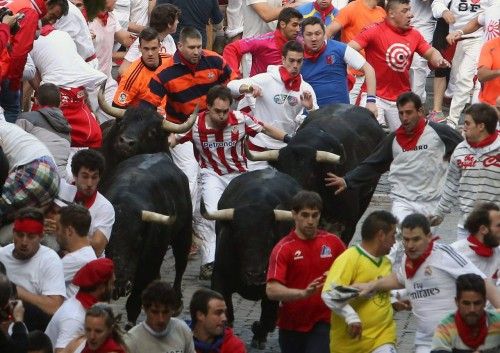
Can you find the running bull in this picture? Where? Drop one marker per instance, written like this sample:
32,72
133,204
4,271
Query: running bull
251,219
335,139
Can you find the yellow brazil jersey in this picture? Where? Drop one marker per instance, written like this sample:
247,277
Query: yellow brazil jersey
378,327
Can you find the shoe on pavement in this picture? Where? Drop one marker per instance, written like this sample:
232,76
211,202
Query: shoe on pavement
206,271
437,117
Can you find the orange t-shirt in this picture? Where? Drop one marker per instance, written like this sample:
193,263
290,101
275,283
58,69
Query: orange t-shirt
490,59
356,17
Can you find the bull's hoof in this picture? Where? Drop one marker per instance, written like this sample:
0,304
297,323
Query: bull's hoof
260,338
258,344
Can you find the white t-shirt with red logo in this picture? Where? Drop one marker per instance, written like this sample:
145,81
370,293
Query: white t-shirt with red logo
490,20
390,52
221,149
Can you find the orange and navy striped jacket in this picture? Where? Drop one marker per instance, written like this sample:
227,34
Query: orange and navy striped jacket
134,83
185,88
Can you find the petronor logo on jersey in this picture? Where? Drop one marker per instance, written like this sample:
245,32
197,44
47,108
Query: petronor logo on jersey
397,56
325,252
298,255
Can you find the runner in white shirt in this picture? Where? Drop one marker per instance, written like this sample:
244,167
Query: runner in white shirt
489,19
72,227
481,246
76,26
164,18
217,137
36,270
87,166
428,272
282,97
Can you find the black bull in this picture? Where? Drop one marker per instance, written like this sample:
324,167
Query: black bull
247,230
148,182
348,131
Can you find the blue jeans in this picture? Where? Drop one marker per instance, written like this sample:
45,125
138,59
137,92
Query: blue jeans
315,341
10,101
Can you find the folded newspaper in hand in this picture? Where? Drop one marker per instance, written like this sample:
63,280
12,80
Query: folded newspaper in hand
342,293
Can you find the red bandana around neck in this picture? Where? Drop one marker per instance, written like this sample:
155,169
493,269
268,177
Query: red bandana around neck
86,299
409,141
465,331
46,29
279,39
488,140
103,16
479,248
291,83
313,56
108,346
190,66
412,266
324,13
84,200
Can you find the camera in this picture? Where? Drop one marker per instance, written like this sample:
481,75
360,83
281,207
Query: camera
6,11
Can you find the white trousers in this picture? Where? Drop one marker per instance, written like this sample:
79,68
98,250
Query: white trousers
234,18
386,348
422,348
464,68
419,69
212,187
356,88
387,112
402,208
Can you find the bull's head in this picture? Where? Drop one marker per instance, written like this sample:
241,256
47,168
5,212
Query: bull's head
249,233
128,239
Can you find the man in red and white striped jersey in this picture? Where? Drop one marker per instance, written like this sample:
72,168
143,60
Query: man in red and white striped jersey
217,136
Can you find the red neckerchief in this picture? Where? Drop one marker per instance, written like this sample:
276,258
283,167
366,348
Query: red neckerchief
479,248
324,13
488,140
86,299
409,141
46,29
108,346
291,83
279,39
190,66
465,331
103,16
86,201
396,29
412,266
313,56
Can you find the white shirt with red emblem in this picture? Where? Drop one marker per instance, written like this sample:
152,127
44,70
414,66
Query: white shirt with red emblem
222,149
432,289
490,20
390,52
473,177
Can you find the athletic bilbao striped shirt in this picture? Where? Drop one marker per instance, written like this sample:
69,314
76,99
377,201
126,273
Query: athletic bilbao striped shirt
473,176
185,88
446,338
222,149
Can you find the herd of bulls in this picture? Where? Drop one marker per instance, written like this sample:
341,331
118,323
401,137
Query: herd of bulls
154,212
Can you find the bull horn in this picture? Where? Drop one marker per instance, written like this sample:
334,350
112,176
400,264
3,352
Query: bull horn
148,216
266,156
219,215
184,127
282,215
115,112
327,157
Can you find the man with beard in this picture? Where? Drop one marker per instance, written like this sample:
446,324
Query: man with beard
481,246
36,270
217,136
471,328
428,272
160,332
266,48
96,280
